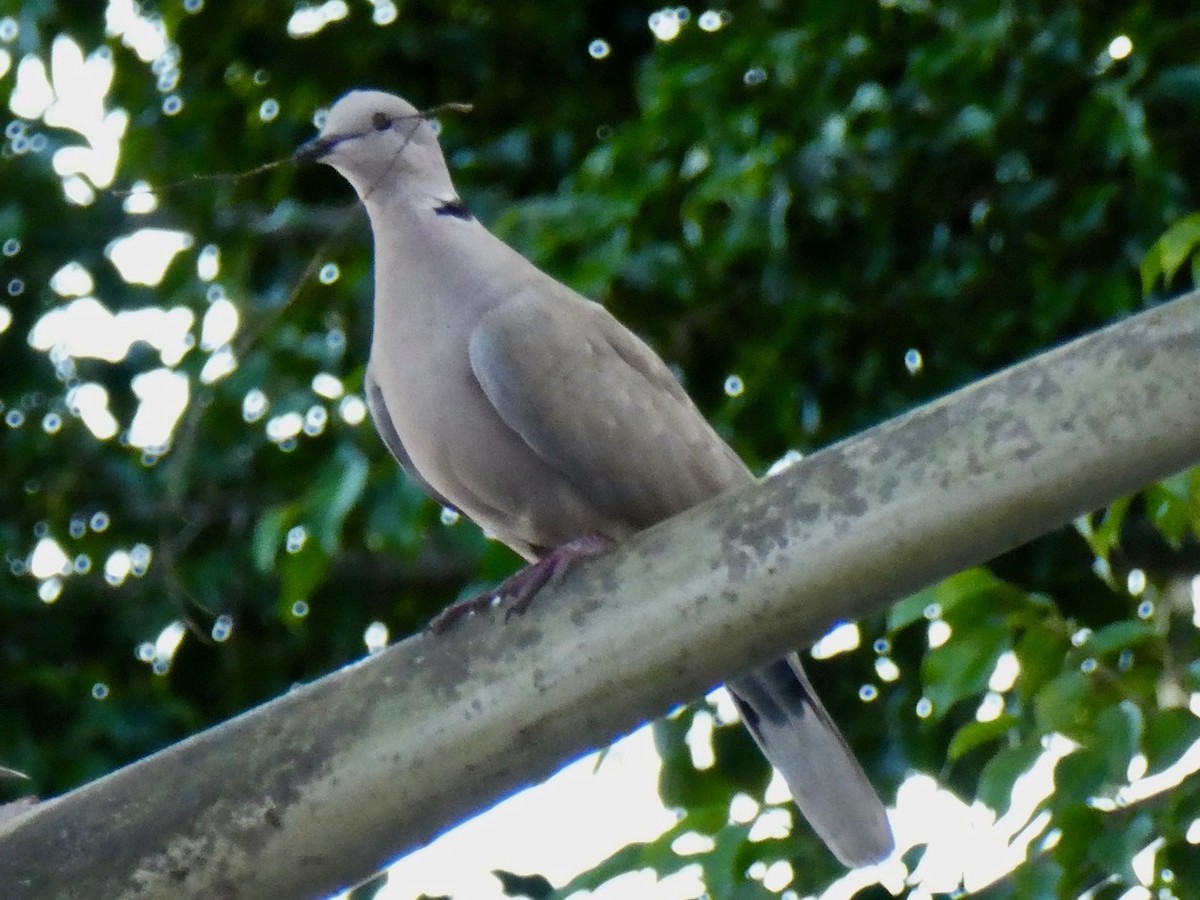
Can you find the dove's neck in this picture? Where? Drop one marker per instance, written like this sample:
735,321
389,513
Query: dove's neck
401,198
437,269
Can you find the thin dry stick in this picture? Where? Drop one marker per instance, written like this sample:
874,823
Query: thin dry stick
430,113
196,179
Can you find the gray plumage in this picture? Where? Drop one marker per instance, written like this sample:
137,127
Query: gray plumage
534,412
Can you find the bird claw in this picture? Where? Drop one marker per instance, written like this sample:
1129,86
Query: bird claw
460,610
519,589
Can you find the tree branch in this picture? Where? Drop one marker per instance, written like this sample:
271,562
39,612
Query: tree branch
319,788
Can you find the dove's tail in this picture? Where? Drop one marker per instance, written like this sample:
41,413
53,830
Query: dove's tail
778,705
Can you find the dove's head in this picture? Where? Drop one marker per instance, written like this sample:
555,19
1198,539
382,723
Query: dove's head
380,143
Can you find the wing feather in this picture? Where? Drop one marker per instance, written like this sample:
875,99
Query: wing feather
391,439
601,407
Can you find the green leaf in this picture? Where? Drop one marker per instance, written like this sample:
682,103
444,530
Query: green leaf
370,888
1118,734
910,609
976,734
1115,848
339,486
961,667
1172,507
724,869
1038,877
1001,772
945,595
1062,704
1182,860
739,763
267,538
1081,826
302,572
1103,538
1040,652
533,887
1080,776
656,855
1167,735
1118,636
1168,254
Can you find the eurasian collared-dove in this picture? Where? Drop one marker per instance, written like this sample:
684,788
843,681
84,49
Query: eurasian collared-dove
511,398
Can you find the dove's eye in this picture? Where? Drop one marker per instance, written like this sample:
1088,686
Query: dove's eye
381,121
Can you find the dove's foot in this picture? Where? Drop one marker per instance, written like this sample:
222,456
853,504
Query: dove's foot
519,589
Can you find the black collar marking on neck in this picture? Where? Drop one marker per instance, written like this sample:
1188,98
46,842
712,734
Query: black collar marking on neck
455,208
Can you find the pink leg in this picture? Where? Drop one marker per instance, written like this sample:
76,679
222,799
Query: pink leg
522,586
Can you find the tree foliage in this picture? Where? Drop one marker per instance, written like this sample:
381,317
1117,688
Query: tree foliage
822,213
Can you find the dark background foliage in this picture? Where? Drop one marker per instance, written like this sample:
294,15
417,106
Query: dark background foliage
801,198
